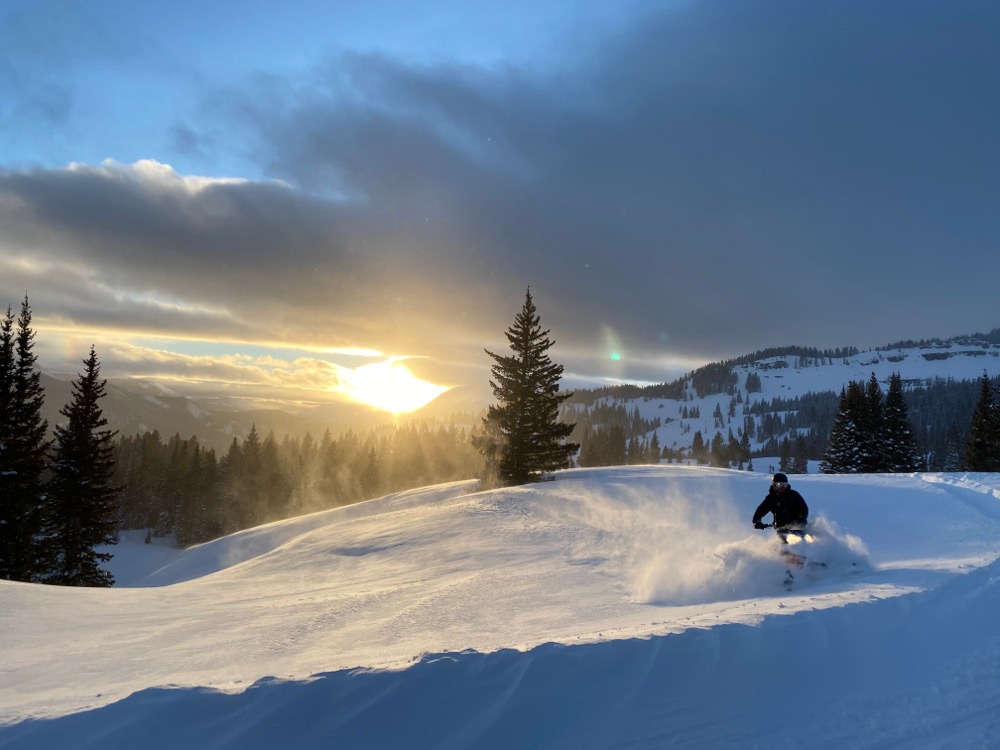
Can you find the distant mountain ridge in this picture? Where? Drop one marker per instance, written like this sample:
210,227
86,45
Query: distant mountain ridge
791,378
135,407
794,391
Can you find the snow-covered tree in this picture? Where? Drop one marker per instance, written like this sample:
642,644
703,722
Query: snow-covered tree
871,433
897,443
844,450
872,456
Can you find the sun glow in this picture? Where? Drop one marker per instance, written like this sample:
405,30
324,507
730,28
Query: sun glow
389,386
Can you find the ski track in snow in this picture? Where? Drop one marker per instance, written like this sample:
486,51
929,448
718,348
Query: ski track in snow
623,607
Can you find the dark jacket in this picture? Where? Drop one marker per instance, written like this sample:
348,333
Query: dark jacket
788,508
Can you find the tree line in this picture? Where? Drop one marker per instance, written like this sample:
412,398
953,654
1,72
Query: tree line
57,495
176,486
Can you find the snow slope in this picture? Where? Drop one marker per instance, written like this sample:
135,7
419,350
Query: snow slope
619,607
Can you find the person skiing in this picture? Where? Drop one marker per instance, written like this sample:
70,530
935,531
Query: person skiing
785,504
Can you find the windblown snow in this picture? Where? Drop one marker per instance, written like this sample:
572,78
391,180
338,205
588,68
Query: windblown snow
611,608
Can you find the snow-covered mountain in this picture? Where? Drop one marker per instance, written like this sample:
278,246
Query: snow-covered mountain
776,380
629,607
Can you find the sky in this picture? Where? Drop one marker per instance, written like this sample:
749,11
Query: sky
621,607
261,199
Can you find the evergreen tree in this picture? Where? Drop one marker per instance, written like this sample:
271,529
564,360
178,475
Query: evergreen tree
523,438
899,449
371,475
230,471
615,450
869,434
744,453
785,456
634,452
22,451
719,454
982,442
82,497
732,448
275,484
800,457
844,448
190,513
698,448
251,500
589,448
872,454
653,454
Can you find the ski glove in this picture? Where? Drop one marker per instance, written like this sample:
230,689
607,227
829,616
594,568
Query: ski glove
759,525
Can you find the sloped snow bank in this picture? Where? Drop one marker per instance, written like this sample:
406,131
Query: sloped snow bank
913,671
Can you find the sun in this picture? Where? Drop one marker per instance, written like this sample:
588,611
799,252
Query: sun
389,386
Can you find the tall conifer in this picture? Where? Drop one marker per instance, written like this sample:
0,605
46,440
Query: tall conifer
523,438
872,458
982,443
899,449
845,448
22,451
83,497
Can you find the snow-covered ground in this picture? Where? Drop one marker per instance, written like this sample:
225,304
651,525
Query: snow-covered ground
619,607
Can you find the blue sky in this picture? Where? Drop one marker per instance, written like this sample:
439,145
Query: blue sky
677,182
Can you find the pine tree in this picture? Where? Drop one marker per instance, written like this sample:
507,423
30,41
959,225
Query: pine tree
698,449
230,471
371,475
23,448
844,450
899,449
785,456
523,438
982,442
634,452
800,457
744,453
615,450
250,481
872,453
82,497
718,452
654,450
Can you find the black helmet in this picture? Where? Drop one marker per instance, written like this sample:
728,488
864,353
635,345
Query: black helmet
779,477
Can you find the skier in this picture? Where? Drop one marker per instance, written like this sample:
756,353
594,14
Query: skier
785,504
790,515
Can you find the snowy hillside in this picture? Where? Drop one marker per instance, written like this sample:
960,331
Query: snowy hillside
622,607
789,377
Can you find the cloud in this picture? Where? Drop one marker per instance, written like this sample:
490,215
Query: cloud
723,173
714,179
